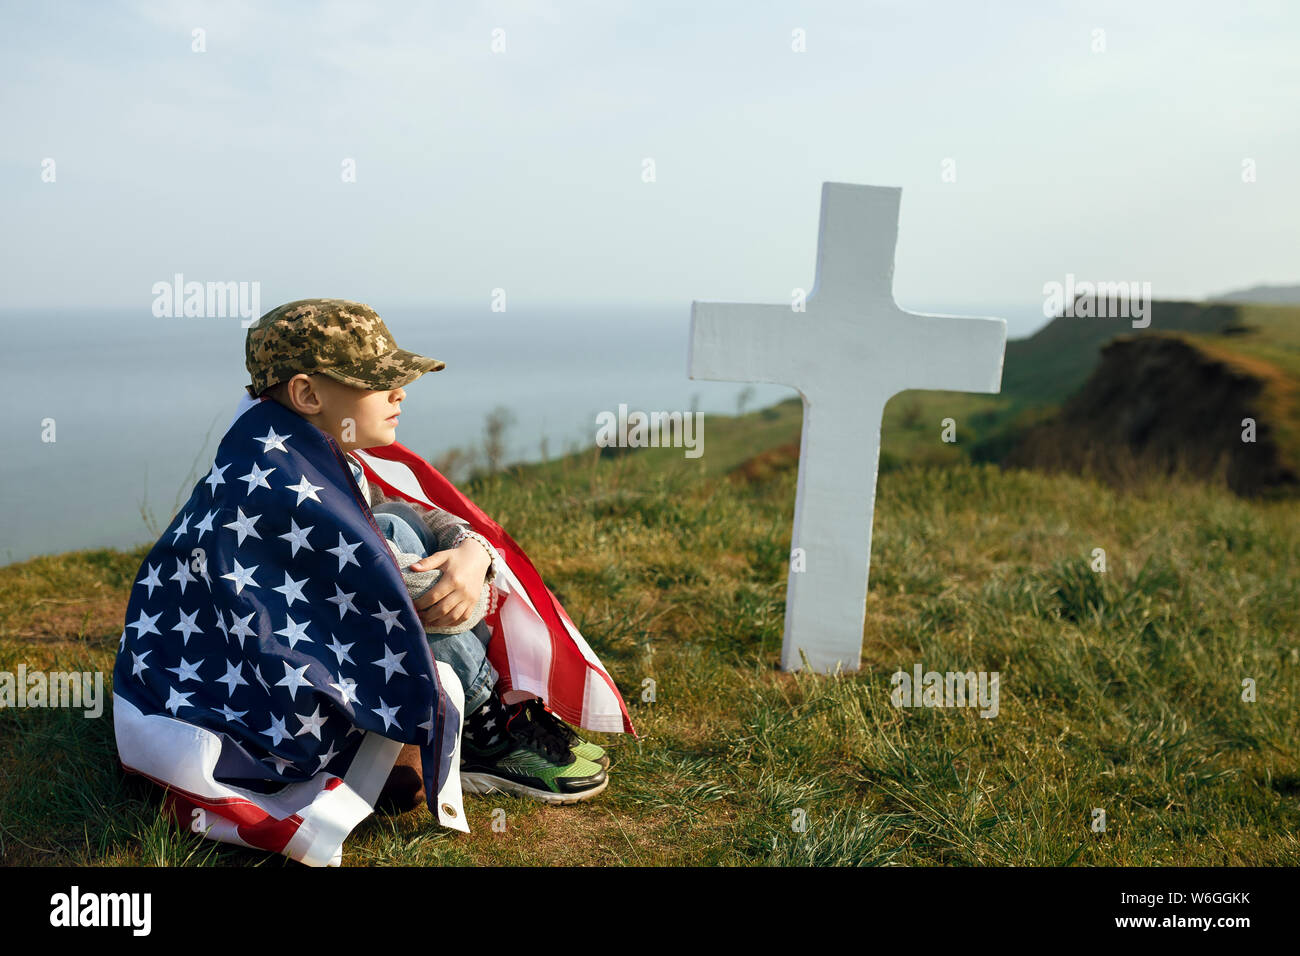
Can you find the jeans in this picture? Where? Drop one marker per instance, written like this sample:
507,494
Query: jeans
465,652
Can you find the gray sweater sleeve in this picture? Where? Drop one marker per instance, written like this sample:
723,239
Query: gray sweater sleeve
445,526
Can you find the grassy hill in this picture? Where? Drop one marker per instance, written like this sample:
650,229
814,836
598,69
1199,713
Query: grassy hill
1120,691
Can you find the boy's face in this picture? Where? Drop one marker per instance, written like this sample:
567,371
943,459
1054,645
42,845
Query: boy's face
354,417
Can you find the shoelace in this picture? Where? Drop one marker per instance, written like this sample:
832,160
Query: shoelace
535,733
541,715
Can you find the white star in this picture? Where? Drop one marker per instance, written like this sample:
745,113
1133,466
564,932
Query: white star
344,601
327,756
297,537
311,725
272,440
387,714
344,552
244,526
186,671
146,624
181,528
354,729
233,677
305,490
139,667
291,589
257,672
221,623
280,762
182,575
242,576
294,631
341,651
256,478
293,679
388,617
204,526
176,701
214,476
187,626
277,731
151,579
391,662
232,715
121,641
239,627
347,688
428,726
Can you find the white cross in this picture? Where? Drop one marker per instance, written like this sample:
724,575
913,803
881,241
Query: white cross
847,355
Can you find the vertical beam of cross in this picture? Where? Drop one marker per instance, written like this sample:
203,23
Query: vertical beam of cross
850,352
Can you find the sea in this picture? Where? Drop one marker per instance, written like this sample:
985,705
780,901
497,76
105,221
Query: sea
112,415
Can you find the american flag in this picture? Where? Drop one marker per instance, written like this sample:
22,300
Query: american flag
273,664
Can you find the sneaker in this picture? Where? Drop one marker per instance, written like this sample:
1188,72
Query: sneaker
530,760
581,748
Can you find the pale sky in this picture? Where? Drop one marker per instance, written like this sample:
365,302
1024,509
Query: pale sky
522,169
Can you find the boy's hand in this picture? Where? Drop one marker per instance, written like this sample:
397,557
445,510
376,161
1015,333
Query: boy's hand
452,599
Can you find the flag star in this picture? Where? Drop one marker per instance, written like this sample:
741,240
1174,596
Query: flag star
294,631
347,689
326,757
354,729
204,526
297,537
341,651
232,715
311,725
388,617
151,579
243,526
291,589
139,667
181,529
387,714
293,679
221,623
344,552
176,701
277,732
233,677
280,762
257,672
186,671
214,476
391,662
256,478
428,726
182,575
305,490
146,624
272,440
187,626
239,627
242,576
344,601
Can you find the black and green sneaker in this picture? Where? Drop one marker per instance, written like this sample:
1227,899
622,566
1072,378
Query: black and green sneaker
504,750
581,748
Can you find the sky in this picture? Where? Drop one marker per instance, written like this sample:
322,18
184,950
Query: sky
523,168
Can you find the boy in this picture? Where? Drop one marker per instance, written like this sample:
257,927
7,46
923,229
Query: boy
333,363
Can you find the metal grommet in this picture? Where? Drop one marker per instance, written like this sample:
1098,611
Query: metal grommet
448,809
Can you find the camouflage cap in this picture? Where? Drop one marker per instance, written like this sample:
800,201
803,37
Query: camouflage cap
345,340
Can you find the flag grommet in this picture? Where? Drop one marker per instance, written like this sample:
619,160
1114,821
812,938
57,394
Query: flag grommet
448,809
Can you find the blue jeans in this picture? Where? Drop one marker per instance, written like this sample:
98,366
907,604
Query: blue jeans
466,652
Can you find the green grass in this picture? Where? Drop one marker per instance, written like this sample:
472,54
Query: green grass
1119,691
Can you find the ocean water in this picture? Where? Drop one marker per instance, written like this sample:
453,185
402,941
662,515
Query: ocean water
138,404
